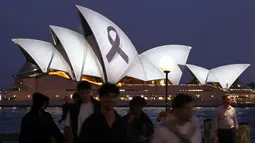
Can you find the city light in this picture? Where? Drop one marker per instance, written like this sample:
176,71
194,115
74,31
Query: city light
122,98
195,90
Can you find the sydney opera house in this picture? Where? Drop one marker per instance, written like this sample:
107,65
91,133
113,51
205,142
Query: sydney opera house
104,53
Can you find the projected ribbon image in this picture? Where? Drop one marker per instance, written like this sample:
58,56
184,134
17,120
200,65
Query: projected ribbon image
115,46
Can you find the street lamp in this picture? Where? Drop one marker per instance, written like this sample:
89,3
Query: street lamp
166,65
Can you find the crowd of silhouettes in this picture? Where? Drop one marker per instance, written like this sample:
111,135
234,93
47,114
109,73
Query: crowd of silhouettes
87,120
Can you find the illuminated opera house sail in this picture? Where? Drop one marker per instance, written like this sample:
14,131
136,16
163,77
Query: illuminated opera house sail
104,53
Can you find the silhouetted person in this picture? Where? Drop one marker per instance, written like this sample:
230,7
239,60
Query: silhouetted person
38,126
106,125
65,109
181,126
138,124
225,122
80,111
76,98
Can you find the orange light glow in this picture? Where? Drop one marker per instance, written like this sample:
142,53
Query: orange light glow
59,73
119,84
93,82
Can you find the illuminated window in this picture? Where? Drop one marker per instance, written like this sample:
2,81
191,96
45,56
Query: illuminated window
122,98
119,84
162,82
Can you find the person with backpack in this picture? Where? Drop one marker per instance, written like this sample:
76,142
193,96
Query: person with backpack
80,111
181,126
138,124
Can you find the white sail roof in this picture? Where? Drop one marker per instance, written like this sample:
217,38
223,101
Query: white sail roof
116,56
116,49
226,75
199,72
147,66
44,54
78,52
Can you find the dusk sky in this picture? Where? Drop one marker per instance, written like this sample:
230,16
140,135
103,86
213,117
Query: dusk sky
220,32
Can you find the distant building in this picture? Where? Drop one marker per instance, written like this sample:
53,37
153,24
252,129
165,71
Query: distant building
104,53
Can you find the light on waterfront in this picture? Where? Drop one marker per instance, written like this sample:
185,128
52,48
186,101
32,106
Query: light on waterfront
167,63
160,98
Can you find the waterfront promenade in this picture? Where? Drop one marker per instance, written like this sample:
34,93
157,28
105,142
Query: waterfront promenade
10,117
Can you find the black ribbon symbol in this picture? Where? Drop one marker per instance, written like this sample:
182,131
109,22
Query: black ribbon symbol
115,46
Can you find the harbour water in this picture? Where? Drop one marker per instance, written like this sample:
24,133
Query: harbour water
10,117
